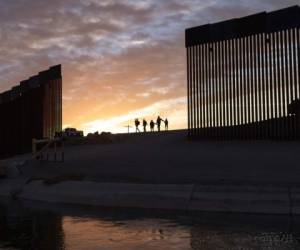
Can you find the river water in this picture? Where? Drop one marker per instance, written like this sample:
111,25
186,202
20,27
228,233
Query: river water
42,226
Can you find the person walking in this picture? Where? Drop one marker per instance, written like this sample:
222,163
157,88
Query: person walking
166,124
137,123
152,126
145,125
158,122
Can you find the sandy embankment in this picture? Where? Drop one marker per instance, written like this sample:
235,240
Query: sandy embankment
166,171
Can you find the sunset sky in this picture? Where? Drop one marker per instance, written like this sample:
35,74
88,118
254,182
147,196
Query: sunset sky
120,59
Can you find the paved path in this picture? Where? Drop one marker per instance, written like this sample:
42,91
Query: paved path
242,199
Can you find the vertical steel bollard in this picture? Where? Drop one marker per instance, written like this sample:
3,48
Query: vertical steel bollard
33,148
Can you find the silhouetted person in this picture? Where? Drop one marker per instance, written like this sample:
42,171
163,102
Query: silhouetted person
137,123
158,122
166,124
152,126
145,125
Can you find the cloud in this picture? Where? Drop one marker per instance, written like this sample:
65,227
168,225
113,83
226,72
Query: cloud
162,108
118,57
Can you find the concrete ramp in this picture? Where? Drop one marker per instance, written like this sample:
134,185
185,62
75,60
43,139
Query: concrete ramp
213,198
242,199
111,194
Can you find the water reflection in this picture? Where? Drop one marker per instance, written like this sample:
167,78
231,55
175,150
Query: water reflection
31,226
242,240
23,229
133,234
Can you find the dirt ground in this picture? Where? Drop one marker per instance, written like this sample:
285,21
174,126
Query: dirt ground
168,157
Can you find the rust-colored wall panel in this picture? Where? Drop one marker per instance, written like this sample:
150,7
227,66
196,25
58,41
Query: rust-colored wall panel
247,77
30,110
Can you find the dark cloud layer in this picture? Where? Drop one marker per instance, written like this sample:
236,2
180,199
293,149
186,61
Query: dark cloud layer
118,57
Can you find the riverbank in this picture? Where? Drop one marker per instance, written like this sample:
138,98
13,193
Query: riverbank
211,198
241,199
164,170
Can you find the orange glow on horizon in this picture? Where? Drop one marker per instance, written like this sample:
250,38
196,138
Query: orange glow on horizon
120,60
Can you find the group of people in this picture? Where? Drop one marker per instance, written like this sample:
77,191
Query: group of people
152,124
